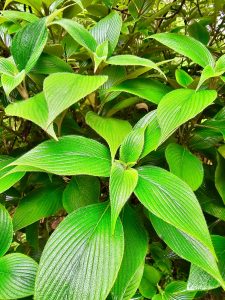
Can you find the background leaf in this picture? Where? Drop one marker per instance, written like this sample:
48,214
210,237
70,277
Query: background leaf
85,232
81,191
185,165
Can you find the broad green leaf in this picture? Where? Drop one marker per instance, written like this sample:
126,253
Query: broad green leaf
112,130
48,64
83,253
132,60
220,174
183,78
185,165
10,82
179,106
7,66
108,29
81,191
199,32
177,290
7,181
152,132
171,199
201,280
149,281
28,44
14,15
71,155
220,65
136,241
186,46
34,109
78,33
38,204
187,247
17,276
145,88
132,146
121,185
6,230
69,87
207,72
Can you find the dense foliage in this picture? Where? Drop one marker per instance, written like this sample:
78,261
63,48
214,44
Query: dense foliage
112,165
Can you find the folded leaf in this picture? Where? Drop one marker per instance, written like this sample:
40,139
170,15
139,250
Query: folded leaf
179,106
69,87
82,253
220,65
183,78
186,46
136,241
14,15
185,165
201,280
108,29
78,33
71,155
28,44
152,132
112,130
81,191
187,247
121,185
10,82
6,230
17,276
38,204
171,199
132,60
7,66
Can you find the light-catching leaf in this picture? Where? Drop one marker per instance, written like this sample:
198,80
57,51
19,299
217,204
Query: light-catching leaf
149,281
186,46
81,191
10,82
108,29
6,181
131,270
133,60
6,230
201,280
179,106
187,247
207,72
171,199
28,44
121,185
112,130
78,33
83,253
71,155
145,88
183,78
17,276
34,109
185,165
152,132
220,65
69,87
38,204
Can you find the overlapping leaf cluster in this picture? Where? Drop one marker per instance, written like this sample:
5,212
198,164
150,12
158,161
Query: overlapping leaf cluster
113,156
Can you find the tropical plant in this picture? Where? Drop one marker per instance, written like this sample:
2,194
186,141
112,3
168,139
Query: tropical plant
112,149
